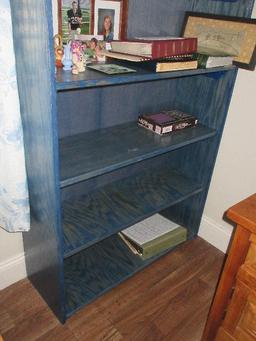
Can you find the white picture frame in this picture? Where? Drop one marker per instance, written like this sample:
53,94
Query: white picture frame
111,8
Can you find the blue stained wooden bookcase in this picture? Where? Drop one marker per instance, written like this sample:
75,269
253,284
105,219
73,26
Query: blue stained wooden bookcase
92,172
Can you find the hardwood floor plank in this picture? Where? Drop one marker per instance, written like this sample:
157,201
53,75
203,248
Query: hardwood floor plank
133,288
160,294
89,324
32,327
168,301
6,322
59,333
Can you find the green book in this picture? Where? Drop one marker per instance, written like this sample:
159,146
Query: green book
160,244
206,61
151,237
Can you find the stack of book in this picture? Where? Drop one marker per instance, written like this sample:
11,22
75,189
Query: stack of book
165,122
158,54
153,236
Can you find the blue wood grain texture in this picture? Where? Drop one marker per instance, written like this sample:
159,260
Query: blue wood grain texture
156,18
98,269
120,204
32,30
192,91
199,159
165,17
239,8
94,153
83,110
88,79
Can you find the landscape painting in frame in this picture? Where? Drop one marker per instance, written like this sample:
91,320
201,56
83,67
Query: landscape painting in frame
231,35
73,14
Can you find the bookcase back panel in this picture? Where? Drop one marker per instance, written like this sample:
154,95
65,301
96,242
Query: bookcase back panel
77,190
165,17
239,8
86,110
82,110
156,18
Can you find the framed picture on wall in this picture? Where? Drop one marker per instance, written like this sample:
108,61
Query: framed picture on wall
231,35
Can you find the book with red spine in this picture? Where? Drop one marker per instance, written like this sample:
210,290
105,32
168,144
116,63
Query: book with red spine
155,49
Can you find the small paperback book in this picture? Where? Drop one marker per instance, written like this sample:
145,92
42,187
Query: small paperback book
165,122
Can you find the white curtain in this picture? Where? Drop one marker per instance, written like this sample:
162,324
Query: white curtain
14,200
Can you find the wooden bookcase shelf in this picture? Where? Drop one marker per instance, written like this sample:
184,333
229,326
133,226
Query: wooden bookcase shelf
91,170
77,152
107,264
90,78
120,204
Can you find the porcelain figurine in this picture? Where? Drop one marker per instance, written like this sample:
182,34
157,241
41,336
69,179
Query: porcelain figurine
58,49
67,58
78,58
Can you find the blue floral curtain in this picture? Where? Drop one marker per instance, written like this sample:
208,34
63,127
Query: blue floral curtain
14,200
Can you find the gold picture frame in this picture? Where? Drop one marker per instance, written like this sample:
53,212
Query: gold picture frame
230,35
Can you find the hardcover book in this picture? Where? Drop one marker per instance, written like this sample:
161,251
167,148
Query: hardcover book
170,65
206,61
153,236
167,121
155,49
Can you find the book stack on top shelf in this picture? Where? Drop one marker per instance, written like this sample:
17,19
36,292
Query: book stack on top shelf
159,54
153,236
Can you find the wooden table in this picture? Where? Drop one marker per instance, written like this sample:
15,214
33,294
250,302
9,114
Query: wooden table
233,312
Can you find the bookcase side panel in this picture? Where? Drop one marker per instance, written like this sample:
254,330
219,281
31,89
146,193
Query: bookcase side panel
32,31
198,161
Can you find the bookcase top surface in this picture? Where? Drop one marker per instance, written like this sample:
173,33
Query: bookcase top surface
65,80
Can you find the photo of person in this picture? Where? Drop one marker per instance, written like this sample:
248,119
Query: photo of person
109,19
106,23
74,17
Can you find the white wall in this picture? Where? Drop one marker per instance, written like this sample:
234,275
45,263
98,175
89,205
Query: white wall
234,177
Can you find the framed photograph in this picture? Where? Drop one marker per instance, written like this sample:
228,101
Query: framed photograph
93,17
73,14
230,35
110,19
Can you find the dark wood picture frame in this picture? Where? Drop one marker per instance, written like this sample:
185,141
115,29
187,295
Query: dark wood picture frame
123,17
250,65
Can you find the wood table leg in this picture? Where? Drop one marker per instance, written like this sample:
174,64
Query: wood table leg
235,258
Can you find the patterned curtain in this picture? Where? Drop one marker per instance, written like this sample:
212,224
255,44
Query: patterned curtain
14,200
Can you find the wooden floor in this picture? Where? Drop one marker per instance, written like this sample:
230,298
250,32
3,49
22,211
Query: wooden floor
169,300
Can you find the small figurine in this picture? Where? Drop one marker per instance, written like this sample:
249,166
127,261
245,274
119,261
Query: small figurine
67,58
78,58
58,49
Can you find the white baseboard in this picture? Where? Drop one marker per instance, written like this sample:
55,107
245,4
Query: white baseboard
12,270
214,233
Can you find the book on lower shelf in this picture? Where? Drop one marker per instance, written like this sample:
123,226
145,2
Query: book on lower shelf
165,122
153,236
